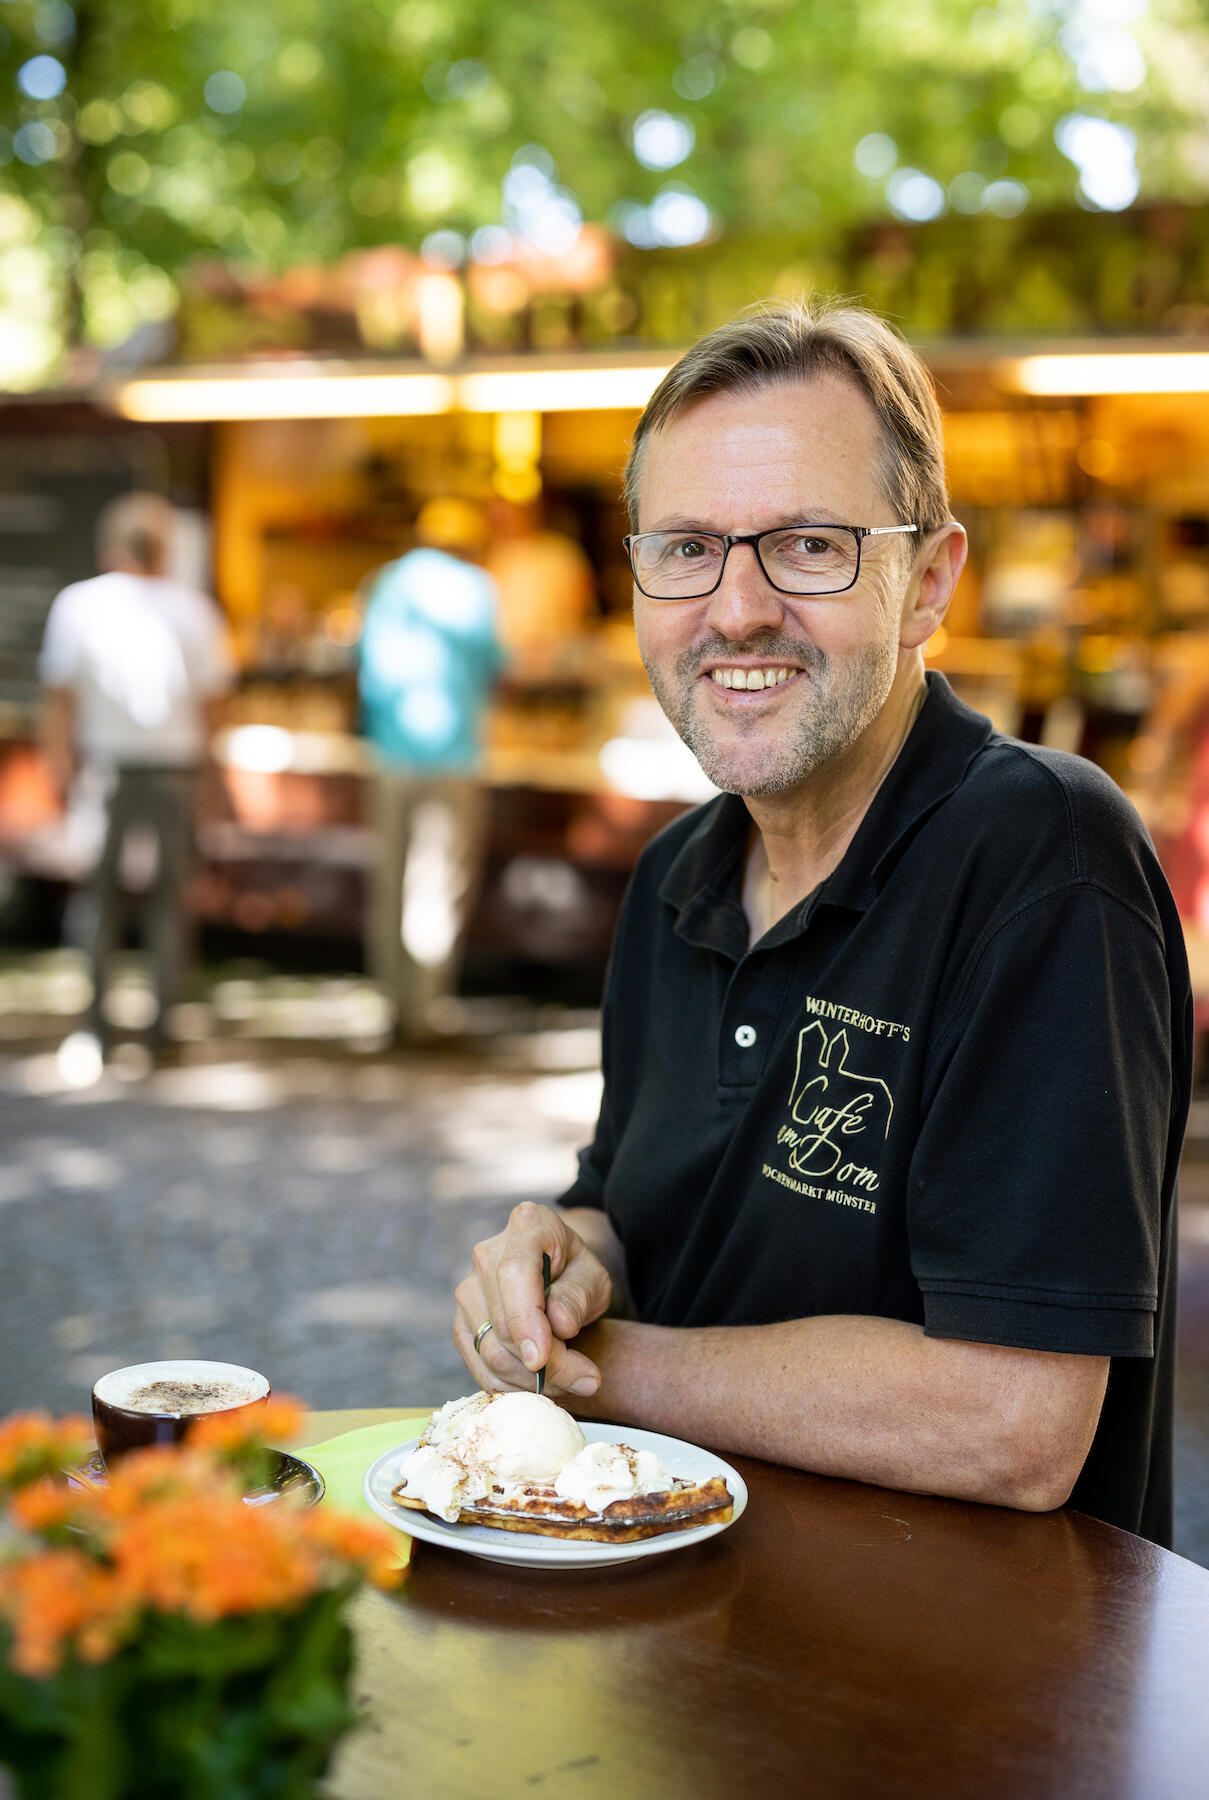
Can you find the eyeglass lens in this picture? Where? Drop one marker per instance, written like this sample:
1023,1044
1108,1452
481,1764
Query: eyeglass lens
821,559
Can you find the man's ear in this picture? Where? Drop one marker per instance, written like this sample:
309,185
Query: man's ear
938,564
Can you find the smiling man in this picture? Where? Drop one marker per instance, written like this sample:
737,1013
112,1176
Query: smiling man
897,1031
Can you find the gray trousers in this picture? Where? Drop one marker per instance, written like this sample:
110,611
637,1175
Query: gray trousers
430,834
156,804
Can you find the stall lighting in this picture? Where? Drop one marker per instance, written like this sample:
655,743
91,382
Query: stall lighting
272,750
558,390
646,769
1112,372
264,749
311,395
315,394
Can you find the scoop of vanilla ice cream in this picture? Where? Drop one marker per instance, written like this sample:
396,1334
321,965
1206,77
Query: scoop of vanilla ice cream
602,1473
509,1440
522,1438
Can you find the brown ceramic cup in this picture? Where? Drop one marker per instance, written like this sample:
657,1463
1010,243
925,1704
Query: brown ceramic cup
156,1402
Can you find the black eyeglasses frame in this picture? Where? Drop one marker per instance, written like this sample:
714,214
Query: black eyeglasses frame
728,539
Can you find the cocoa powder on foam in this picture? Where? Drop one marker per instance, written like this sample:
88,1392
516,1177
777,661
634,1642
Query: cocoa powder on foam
184,1397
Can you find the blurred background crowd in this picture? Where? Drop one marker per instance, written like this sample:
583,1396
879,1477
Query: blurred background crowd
333,325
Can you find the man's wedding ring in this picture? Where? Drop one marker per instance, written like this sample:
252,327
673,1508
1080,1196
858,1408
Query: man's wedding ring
481,1333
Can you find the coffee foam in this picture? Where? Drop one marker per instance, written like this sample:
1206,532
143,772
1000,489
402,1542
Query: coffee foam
162,1389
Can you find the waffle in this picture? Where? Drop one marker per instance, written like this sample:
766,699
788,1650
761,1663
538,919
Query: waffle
539,1510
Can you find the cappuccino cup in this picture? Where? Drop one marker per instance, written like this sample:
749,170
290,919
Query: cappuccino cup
156,1402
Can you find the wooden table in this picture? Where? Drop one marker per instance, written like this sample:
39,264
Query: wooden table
839,1640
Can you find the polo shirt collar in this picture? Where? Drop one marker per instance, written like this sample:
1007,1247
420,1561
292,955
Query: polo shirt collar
703,882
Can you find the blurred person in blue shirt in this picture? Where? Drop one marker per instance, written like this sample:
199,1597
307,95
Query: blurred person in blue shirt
430,655
132,662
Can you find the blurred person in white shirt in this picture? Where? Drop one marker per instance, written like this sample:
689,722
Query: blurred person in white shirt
131,665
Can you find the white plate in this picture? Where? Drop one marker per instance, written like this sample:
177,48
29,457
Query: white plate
527,1551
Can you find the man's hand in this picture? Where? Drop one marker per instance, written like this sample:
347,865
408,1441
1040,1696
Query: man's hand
528,1333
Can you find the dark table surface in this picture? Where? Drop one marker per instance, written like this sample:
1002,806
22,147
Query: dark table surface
838,1640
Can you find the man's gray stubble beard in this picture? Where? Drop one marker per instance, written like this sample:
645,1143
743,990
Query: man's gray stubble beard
822,733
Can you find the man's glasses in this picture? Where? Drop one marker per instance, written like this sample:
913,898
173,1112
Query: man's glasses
797,559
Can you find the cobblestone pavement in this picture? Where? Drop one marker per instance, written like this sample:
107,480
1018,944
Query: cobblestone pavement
304,1215
306,1211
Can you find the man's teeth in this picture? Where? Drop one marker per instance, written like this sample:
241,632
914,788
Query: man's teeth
751,678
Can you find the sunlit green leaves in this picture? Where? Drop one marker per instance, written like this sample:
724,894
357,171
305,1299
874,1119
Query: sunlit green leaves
292,131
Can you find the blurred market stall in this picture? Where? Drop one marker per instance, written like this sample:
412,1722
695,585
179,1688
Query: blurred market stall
305,281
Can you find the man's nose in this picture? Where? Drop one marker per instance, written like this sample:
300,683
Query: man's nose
745,600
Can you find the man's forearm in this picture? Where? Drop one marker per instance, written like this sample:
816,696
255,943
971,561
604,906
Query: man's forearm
867,1399
56,733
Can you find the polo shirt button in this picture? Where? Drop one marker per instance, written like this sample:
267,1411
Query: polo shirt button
745,1036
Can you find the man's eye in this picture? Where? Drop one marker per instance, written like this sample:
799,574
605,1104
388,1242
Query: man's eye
688,549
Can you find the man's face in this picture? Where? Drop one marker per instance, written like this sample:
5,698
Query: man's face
785,455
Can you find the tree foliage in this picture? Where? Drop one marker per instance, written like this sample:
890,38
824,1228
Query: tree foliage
277,132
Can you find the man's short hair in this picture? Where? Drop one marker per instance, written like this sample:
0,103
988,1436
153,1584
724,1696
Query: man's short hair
783,341
138,528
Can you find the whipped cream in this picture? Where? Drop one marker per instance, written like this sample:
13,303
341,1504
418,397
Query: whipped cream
455,1418
602,1473
443,1485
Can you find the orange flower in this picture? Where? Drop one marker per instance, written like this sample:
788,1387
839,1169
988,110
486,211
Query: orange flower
49,1598
157,1473
361,1543
279,1419
22,1430
97,1642
209,1558
45,1505
32,1444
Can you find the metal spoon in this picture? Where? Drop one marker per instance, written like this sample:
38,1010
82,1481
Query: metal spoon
539,1379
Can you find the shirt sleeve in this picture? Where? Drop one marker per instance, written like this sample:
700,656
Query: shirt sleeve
1035,1195
596,1158
619,1024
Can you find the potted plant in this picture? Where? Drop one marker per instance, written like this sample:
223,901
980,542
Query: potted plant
158,1636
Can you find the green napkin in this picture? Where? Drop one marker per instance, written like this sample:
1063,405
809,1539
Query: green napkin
343,1460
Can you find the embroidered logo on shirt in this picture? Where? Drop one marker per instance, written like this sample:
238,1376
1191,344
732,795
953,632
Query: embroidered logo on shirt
838,1118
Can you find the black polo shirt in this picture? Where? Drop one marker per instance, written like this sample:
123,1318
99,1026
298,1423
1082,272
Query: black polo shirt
950,1087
